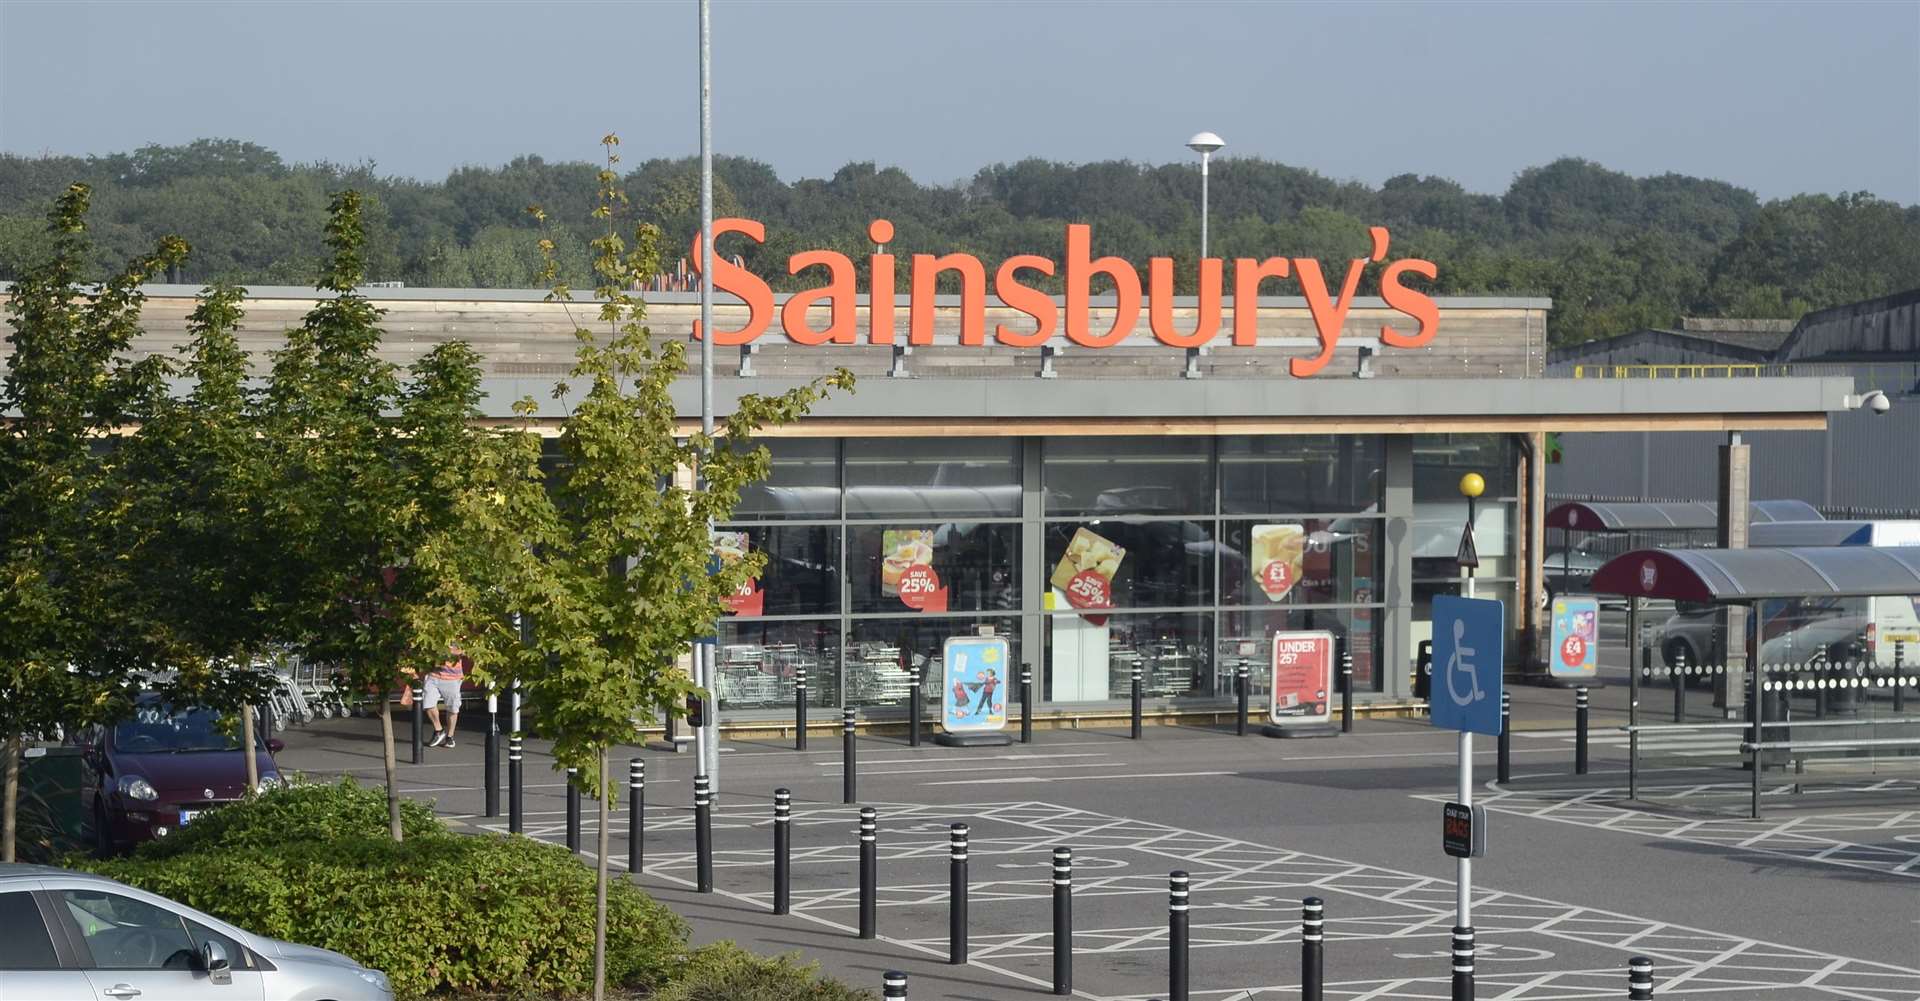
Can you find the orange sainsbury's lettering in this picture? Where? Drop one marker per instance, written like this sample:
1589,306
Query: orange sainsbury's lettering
841,292
730,277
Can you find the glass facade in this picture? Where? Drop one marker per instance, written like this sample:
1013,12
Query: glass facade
1178,557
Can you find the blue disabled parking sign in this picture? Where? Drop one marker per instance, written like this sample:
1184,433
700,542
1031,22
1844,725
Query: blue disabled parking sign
1468,651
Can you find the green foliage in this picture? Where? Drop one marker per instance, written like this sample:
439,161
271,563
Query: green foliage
725,972
440,911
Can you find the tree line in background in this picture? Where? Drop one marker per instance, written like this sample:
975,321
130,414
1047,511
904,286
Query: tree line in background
173,526
1614,252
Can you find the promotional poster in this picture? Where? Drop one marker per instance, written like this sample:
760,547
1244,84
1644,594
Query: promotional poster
1086,571
1302,678
1278,554
975,681
730,548
1576,635
906,569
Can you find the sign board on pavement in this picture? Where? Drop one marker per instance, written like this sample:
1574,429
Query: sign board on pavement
1302,675
1463,830
1468,650
974,684
1576,636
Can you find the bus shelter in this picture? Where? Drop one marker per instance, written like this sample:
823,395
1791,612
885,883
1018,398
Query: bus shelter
1747,577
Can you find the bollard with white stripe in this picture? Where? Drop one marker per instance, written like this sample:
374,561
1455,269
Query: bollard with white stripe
1312,948
782,851
894,985
913,697
1241,693
1462,963
419,700
1136,702
1503,744
703,834
1063,921
515,786
1679,670
636,816
1346,687
957,894
490,760
869,873
799,708
1639,979
573,809
1026,703
1177,882
1580,730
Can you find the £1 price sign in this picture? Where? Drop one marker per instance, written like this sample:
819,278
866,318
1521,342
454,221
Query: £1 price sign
920,589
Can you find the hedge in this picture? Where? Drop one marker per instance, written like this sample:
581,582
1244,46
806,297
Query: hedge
725,972
439,911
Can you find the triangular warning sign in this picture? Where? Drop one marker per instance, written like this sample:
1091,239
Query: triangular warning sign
1468,557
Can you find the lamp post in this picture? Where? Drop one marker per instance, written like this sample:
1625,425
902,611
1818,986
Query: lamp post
1205,144
1472,485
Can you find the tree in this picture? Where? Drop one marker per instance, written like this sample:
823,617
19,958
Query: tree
56,668
632,575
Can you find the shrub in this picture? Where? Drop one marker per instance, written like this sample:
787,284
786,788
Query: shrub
725,972
437,911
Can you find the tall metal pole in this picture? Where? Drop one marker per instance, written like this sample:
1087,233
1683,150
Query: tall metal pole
706,739
1205,158
1462,943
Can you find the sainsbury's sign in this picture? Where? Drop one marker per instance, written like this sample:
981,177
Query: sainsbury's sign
1075,317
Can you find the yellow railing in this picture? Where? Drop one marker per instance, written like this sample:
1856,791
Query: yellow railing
1665,371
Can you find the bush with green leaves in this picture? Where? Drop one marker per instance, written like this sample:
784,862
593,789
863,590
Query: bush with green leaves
437,911
725,972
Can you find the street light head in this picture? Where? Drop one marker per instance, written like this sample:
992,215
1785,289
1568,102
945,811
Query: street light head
1205,142
1472,485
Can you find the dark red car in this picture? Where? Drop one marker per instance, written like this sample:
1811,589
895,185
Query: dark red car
155,772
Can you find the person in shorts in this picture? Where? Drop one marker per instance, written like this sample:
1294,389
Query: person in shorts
442,684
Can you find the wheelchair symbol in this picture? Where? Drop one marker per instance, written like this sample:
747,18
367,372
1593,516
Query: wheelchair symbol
1461,663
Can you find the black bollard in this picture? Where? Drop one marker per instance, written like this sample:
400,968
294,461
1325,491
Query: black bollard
846,755
1177,936
1346,688
636,816
799,708
869,873
514,784
419,716
1639,979
1580,730
1504,743
893,985
1462,964
913,710
1679,672
782,851
1063,921
1026,703
703,834
1899,680
573,809
1312,948
490,768
1240,692
1136,702
957,894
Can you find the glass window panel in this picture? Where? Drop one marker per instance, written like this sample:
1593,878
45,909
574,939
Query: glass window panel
1164,563
1323,561
1439,460
802,573
1092,658
1246,639
1263,473
1101,476
976,564
26,945
884,655
759,662
910,478
803,485
127,934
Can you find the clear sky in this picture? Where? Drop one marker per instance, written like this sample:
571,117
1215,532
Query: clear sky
1777,97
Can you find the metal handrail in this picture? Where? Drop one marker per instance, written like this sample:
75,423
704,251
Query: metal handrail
1788,745
1770,724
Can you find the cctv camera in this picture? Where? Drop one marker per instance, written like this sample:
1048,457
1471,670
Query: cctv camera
1878,401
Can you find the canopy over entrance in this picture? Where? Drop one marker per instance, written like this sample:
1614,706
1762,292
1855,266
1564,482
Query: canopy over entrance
1600,516
1739,576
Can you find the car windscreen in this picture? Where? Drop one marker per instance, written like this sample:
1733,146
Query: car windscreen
160,728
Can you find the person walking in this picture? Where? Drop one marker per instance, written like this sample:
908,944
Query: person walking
443,685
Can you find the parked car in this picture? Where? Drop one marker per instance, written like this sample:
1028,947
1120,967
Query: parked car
73,936
153,773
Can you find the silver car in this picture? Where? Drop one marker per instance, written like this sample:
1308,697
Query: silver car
72,936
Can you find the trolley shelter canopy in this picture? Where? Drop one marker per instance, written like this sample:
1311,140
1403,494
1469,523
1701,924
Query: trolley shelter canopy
1741,576
1673,516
